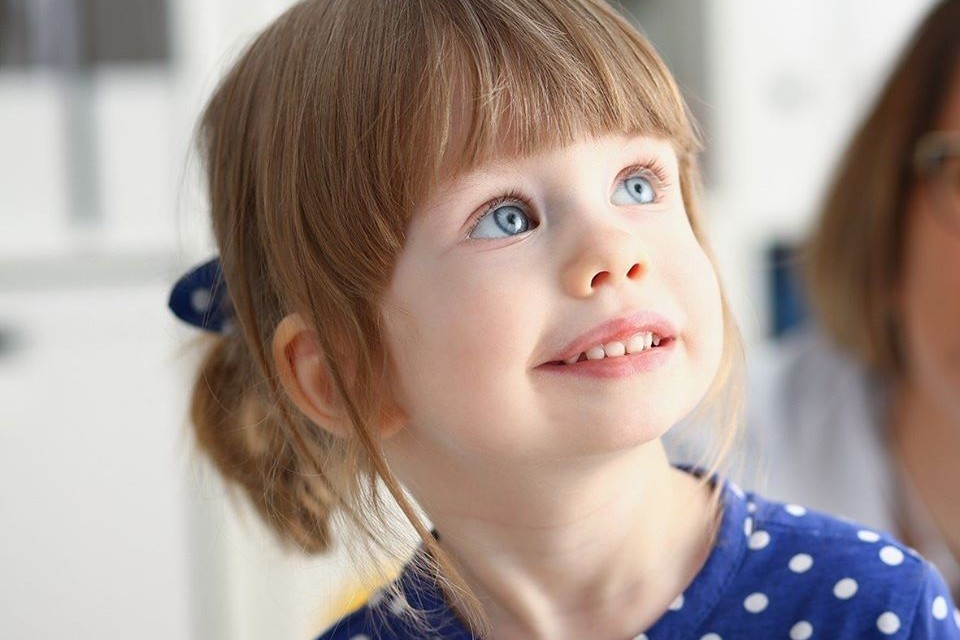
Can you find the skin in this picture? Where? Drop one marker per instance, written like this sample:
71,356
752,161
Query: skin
552,492
926,410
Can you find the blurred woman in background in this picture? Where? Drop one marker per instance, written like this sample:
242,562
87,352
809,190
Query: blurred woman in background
866,406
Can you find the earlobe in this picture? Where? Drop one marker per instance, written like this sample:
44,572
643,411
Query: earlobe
299,361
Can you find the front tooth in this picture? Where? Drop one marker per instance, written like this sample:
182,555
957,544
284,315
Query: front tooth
635,343
595,353
647,340
572,359
656,340
614,349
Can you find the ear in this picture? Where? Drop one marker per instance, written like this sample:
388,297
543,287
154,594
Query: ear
299,360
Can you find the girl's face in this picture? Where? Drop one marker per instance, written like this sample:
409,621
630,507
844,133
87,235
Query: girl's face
929,288
512,268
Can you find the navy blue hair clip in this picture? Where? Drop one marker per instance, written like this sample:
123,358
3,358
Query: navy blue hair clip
200,298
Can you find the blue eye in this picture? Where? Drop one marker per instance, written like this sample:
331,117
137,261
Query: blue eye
638,190
502,222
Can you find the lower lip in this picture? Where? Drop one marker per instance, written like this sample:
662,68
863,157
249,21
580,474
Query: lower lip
616,367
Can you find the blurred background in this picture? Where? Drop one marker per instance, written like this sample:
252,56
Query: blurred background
108,525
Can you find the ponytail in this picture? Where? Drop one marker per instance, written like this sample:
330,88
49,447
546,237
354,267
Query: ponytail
242,431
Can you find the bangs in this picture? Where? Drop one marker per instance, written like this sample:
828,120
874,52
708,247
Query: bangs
515,78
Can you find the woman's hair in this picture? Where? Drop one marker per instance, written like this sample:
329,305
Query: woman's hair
855,254
318,144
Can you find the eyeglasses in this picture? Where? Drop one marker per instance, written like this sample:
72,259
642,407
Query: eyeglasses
936,158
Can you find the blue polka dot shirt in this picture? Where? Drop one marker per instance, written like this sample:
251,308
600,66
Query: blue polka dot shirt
776,571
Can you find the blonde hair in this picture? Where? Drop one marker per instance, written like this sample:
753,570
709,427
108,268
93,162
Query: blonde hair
855,253
330,104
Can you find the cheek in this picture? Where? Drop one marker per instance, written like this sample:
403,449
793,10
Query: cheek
709,350
459,343
698,288
476,323
930,301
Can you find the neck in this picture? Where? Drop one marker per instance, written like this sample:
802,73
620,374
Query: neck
597,549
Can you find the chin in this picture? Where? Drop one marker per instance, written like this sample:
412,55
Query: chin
606,434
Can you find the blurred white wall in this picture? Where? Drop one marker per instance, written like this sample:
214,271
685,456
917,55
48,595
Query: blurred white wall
786,82
108,528
93,484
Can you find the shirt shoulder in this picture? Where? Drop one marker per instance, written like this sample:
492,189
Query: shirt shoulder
807,574
410,608
358,625
385,616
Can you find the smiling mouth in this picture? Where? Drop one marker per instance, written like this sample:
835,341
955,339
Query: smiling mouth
640,342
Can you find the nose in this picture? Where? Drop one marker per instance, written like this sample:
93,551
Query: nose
609,256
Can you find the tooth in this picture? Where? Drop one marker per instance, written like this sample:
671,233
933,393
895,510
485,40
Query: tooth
572,359
647,340
656,340
595,353
635,343
614,349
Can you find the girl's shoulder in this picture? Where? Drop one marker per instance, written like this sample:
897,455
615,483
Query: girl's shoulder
801,574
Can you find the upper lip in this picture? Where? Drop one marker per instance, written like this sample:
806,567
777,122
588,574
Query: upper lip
616,330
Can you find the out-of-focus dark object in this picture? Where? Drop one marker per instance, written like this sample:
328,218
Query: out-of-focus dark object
7,340
789,308
83,33
74,39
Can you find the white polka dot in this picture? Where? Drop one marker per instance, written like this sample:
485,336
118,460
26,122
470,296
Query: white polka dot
755,602
758,540
888,623
642,636
361,636
677,603
748,526
800,563
711,636
398,606
200,300
891,555
868,536
846,588
751,507
795,510
801,631
939,608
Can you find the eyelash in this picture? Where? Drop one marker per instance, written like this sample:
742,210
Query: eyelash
510,196
651,166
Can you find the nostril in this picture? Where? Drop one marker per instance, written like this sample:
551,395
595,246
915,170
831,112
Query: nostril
634,271
599,279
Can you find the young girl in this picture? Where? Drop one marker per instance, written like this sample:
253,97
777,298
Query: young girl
464,261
